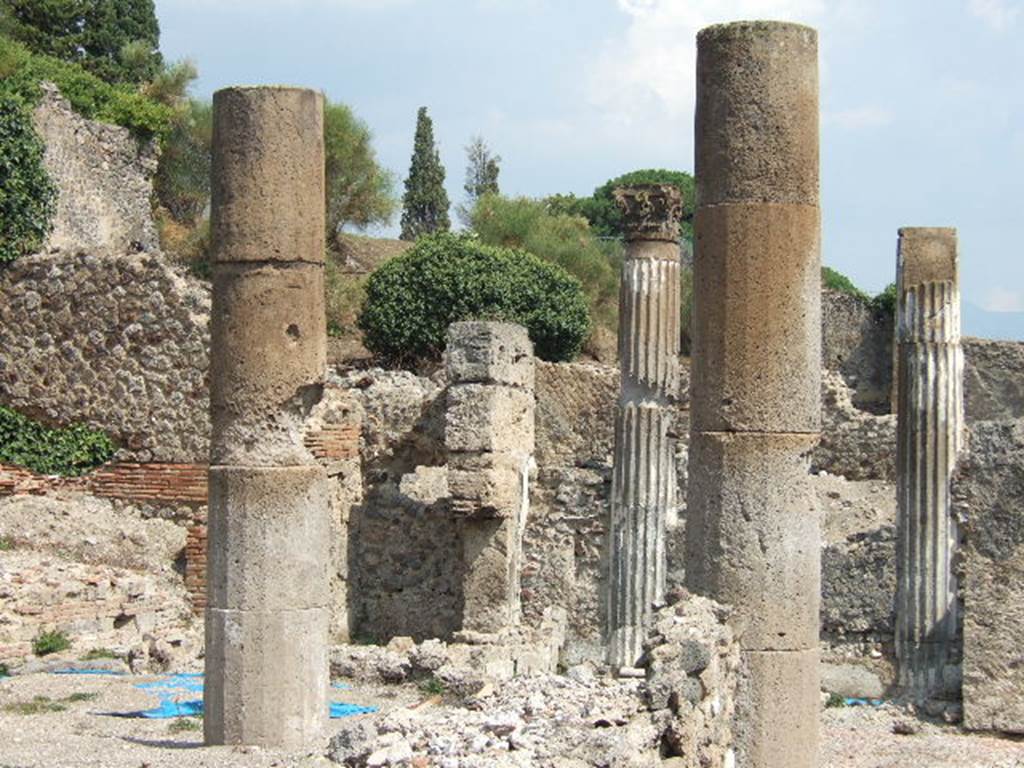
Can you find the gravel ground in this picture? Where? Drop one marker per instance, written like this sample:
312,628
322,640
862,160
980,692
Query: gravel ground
81,736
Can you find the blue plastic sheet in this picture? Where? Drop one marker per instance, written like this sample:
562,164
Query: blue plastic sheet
76,671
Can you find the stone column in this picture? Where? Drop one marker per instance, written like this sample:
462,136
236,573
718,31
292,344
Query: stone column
268,539
929,435
489,433
752,530
644,477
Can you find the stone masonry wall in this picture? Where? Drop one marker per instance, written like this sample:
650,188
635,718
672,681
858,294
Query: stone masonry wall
857,342
104,177
119,342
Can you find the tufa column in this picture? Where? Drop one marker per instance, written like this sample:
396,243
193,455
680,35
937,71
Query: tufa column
268,541
644,477
929,436
752,529
489,433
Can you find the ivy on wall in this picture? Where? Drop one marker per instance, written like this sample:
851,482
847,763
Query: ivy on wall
68,451
28,199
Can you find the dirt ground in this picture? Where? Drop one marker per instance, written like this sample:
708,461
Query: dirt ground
81,735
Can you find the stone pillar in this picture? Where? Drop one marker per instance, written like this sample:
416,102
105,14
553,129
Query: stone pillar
268,539
644,476
489,433
752,530
929,428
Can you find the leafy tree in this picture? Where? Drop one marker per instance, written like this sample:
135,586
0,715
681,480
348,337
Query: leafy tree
118,40
482,171
444,278
28,198
425,203
182,180
359,190
559,238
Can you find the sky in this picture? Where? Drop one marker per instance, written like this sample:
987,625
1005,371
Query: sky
922,103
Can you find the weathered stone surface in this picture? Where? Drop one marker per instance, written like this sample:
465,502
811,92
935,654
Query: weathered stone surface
489,353
491,558
268,175
757,114
487,484
757,348
651,213
859,583
777,709
929,436
269,332
118,342
271,530
486,418
753,536
104,178
855,444
993,380
856,341
988,487
270,688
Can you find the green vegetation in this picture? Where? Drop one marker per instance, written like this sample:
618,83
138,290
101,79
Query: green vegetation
885,302
432,686
444,278
882,304
835,701
99,653
116,40
6,544
21,73
482,170
38,706
65,451
560,239
183,724
604,215
52,641
425,203
344,296
28,199
80,696
182,182
360,192
4,670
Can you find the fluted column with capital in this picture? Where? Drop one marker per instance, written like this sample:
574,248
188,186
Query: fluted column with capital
644,478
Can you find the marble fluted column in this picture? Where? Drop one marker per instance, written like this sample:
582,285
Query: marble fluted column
929,437
752,528
644,477
269,527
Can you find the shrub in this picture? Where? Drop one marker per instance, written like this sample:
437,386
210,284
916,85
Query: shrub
885,302
344,295
28,199
49,642
66,451
837,281
444,278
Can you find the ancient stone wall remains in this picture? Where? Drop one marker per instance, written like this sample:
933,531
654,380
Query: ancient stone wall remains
993,380
856,341
116,342
104,178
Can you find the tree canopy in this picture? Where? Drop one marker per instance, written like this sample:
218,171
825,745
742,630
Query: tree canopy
425,203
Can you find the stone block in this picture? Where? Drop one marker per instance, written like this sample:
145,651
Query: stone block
482,417
757,114
269,534
753,536
927,255
266,678
268,175
491,563
988,487
757,347
778,710
270,362
486,484
490,353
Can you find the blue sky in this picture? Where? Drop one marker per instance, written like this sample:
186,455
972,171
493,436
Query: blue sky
922,101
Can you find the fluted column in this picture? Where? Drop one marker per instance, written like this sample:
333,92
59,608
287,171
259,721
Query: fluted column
644,478
753,536
269,528
929,436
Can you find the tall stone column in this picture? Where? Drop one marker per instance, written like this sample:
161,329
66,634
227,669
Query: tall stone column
752,529
489,434
644,477
268,538
930,419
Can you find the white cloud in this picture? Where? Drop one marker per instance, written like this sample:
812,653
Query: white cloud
859,118
1004,300
645,81
997,14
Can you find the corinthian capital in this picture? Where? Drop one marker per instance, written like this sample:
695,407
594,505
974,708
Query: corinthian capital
650,211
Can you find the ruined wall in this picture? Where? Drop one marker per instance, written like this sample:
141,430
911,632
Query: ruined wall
104,178
993,379
119,342
857,341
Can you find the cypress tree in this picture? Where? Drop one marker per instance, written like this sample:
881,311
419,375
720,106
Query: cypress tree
425,203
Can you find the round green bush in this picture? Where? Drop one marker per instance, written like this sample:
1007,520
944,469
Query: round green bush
444,278
28,198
